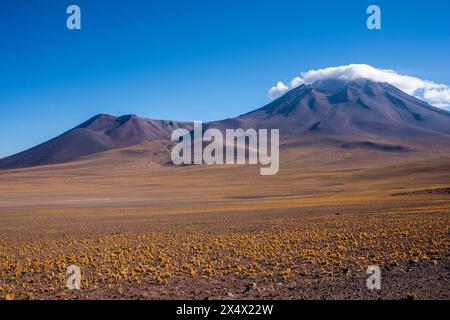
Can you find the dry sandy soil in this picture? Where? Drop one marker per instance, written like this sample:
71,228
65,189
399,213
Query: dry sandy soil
141,229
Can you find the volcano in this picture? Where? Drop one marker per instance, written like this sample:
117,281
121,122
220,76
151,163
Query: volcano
357,108
359,113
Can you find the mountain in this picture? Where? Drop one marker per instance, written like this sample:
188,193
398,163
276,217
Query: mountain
98,134
358,108
360,114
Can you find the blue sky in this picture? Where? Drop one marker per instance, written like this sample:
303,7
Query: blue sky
192,60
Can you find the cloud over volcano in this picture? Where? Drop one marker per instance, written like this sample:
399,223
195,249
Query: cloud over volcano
434,93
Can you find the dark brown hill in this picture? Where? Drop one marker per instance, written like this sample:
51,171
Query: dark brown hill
100,133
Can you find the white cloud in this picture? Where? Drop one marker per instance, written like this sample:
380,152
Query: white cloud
297,82
439,95
435,94
278,90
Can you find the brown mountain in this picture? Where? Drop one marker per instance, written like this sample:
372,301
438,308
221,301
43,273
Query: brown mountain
98,134
359,108
359,114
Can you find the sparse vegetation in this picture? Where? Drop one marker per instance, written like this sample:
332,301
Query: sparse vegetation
280,249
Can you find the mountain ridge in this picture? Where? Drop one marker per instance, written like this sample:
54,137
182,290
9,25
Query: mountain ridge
361,110
98,134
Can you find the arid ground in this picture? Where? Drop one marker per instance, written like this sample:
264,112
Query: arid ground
141,229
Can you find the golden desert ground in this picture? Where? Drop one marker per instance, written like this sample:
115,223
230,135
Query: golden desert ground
140,228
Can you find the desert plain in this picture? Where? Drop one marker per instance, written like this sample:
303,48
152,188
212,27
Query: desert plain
141,228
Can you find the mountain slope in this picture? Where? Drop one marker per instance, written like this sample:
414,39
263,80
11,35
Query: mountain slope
98,134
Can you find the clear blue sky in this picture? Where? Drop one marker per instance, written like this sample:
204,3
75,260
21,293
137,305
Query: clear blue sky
192,60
